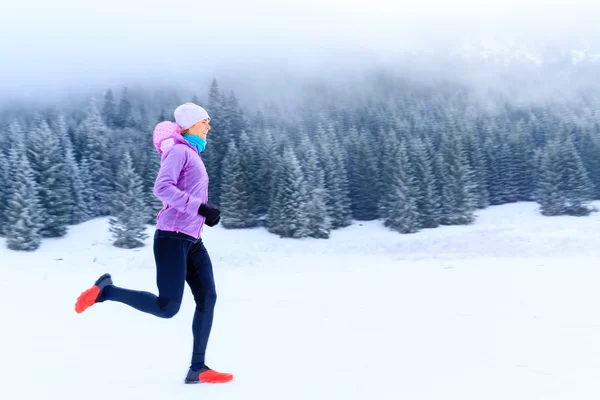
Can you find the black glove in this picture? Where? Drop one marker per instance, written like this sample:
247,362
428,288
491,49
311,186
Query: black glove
211,213
213,223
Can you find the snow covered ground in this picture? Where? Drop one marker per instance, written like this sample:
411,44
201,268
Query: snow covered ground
508,308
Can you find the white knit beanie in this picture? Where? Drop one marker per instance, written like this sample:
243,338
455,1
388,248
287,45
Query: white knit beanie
188,114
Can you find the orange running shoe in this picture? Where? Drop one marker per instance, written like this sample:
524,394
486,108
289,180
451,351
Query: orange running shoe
207,375
93,295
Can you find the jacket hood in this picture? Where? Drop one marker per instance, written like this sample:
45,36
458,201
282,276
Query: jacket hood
165,135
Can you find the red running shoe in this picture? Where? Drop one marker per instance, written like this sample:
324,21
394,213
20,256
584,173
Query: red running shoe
92,295
207,375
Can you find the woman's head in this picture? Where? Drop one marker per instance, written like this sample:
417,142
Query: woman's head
193,119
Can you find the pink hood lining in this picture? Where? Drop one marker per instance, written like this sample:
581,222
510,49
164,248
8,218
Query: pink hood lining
165,135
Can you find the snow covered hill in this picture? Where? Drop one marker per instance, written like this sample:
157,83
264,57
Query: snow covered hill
504,309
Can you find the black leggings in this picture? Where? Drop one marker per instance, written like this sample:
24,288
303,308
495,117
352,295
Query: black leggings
179,259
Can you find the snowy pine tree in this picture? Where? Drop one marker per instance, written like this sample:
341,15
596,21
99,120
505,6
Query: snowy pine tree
54,194
150,167
522,148
23,207
96,152
250,163
362,168
336,178
425,187
319,221
128,214
4,190
108,109
262,185
389,165
218,141
589,151
501,170
458,188
318,224
563,187
577,184
288,209
509,172
87,189
80,210
475,159
235,192
399,209
124,116
549,194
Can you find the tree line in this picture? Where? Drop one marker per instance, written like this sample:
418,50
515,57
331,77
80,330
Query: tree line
412,158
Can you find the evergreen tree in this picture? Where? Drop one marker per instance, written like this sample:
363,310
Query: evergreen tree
288,210
49,170
124,117
250,164
549,194
79,211
262,184
162,116
128,215
108,110
589,151
4,190
401,213
88,194
575,182
96,152
235,196
475,160
508,179
143,123
336,178
362,168
4,135
218,141
150,166
425,187
500,170
522,148
458,189
388,177
23,208
319,221
234,118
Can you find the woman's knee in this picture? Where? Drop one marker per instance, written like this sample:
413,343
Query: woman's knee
170,309
211,297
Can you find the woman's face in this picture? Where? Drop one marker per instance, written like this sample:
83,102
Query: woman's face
200,129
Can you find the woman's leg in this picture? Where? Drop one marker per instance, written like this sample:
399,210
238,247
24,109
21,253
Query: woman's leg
170,255
202,284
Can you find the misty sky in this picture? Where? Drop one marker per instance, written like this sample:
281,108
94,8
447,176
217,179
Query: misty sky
68,43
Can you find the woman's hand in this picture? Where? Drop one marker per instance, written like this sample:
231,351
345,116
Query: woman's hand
211,213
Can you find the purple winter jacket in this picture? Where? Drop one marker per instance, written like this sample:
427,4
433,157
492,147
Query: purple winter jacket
182,182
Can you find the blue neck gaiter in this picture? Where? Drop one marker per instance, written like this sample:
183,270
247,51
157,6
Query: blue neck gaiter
196,141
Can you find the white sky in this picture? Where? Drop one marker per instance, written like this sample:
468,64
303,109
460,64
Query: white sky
68,40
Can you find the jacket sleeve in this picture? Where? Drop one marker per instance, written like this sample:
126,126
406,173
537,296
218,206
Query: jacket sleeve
165,186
